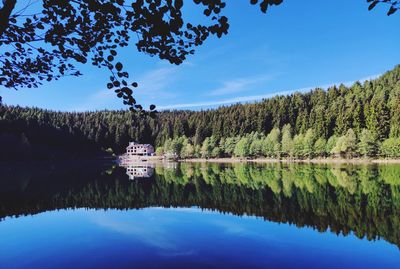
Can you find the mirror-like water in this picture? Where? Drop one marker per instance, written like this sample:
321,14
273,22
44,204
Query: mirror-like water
199,215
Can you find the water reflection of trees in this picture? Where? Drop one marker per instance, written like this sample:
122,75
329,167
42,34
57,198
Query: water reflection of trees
343,199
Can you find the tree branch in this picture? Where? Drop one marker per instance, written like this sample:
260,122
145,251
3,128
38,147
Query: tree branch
5,13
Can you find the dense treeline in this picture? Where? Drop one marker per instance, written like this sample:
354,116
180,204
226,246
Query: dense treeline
342,199
281,144
370,110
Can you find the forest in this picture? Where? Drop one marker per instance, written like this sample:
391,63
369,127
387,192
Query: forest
347,121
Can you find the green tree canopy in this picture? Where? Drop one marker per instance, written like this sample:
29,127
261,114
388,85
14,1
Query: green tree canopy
242,148
368,143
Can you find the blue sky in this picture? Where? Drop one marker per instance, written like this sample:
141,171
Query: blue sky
295,46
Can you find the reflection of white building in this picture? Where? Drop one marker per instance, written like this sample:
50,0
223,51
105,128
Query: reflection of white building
139,171
170,165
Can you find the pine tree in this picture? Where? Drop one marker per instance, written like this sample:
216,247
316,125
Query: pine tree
378,117
395,119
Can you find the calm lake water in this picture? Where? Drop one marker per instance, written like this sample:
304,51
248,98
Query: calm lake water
90,215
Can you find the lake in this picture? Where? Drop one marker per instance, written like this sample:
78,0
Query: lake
197,215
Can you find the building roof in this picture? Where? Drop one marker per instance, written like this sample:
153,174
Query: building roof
137,144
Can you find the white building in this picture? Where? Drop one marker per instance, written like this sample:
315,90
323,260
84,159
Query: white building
136,149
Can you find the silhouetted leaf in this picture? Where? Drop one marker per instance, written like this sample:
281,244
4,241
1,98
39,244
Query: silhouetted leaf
178,4
373,5
391,11
118,66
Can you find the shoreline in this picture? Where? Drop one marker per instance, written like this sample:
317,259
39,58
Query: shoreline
271,160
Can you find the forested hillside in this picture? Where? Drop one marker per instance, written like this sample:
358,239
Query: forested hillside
371,109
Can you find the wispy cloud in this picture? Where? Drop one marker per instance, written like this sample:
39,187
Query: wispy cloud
224,101
250,98
153,85
240,84
153,229
149,231
98,100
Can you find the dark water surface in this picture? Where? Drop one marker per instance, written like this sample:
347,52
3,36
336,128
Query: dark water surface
90,215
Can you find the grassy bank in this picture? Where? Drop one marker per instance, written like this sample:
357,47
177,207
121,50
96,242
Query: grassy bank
271,160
